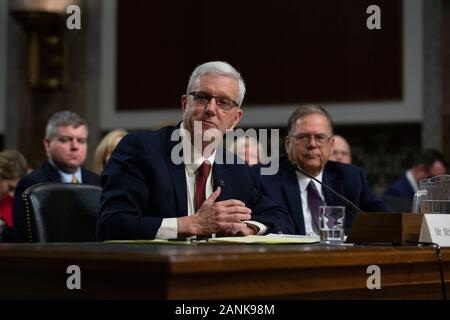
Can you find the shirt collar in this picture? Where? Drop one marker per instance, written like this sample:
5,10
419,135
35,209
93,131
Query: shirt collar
304,181
411,180
195,154
65,176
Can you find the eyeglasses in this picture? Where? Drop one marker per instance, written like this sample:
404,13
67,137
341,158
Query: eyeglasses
305,138
203,99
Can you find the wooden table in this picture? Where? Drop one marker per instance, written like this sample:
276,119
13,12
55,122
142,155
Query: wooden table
212,271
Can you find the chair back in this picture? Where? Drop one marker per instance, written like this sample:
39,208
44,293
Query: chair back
61,212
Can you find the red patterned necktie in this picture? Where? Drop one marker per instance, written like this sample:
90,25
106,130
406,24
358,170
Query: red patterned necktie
200,186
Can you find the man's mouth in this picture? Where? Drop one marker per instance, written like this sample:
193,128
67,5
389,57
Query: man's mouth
311,156
208,123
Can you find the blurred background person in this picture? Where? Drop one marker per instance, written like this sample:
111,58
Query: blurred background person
247,148
341,150
105,149
428,164
65,143
13,166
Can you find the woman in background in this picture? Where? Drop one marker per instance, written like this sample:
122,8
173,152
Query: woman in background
105,149
13,166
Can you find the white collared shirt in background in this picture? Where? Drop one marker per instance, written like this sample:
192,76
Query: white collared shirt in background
303,182
67,177
412,181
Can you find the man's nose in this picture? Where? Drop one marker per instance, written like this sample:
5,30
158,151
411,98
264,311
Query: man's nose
211,107
313,142
74,144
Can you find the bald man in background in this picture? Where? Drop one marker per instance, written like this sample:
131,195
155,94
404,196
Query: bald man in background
341,150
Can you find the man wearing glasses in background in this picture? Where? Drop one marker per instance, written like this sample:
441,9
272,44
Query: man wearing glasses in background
169,183
308,145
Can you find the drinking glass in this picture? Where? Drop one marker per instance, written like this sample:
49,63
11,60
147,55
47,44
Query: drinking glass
332,220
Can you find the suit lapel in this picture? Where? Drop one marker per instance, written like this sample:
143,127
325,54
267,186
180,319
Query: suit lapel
177,174
407,186
330,179
85,177
52,174
221,177
291,191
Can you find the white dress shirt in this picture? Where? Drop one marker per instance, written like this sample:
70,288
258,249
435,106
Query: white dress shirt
67,177
303,182
168,228
412,181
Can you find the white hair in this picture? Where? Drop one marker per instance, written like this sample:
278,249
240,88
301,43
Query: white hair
217,68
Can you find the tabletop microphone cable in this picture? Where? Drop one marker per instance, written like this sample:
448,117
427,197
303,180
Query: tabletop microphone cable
439,258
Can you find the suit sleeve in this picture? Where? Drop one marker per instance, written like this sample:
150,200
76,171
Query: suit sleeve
91,178
369,202
268,212
124,199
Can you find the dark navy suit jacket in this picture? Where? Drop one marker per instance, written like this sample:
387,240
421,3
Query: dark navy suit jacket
46,173
400,188
347,180
142,185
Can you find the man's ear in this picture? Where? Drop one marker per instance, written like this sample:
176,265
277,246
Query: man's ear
332,141
46,143
237,118
183,102
286,143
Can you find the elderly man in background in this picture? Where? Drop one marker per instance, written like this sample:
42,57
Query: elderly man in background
308,145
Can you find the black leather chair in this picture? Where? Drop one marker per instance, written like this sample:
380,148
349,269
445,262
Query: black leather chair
61,212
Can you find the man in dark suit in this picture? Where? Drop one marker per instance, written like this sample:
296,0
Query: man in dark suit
66,145
308,145
428,164
172,183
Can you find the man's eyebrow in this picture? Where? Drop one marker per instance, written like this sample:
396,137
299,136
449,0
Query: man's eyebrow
72,138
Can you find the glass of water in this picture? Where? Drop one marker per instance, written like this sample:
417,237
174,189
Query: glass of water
332,220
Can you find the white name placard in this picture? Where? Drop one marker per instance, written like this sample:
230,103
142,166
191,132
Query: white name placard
436,228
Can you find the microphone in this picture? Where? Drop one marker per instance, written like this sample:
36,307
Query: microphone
221,183
351,204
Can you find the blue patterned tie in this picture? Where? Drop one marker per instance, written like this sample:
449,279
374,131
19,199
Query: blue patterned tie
314,202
